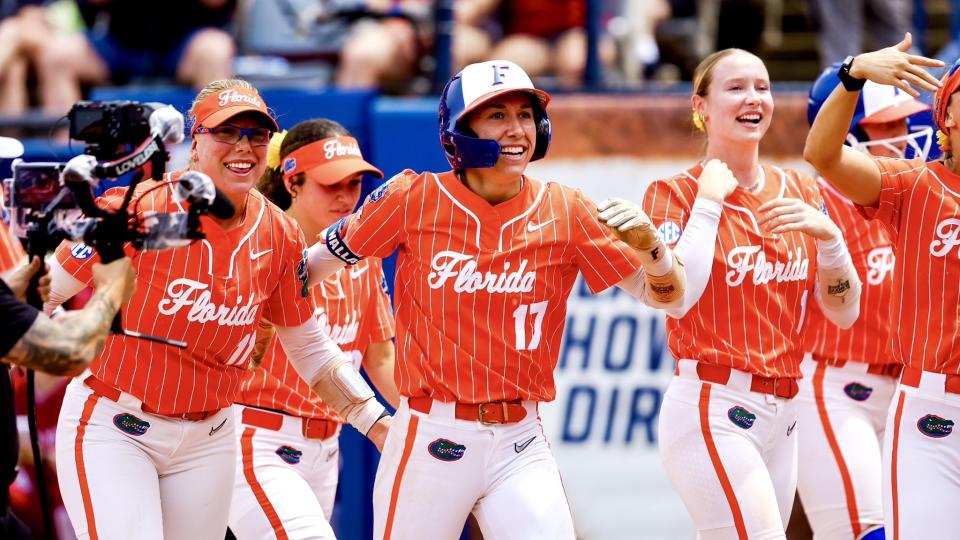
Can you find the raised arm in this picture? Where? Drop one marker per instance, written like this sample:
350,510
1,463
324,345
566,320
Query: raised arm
852,172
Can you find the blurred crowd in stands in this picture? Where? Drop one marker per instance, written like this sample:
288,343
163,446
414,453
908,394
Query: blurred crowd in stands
53,51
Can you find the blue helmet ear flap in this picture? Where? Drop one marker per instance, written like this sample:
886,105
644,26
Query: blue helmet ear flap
465,152
544,134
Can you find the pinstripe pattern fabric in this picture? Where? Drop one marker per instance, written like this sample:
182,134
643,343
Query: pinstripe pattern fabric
871,249
11,252
481,290
354,309
920,202
752,311
211,295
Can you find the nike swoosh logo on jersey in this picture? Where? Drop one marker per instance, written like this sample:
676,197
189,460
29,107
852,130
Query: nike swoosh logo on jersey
256,255
216,429
790,429
520,447
356,272
534,227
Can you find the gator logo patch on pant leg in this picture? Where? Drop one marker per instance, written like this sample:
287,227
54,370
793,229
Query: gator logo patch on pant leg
289,455
741,417
857,391
130,424
932,425
445,450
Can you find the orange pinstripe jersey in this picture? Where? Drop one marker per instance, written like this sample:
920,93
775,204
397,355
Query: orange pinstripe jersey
751,313
871,249
920,202
353,307
210,295
11,252
481,290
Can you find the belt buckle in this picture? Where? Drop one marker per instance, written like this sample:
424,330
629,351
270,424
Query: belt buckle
481,412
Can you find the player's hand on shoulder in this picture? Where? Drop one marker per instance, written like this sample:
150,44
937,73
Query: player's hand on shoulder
716,182
783,215
628,222
895,66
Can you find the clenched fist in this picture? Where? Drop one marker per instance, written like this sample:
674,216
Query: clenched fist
716,182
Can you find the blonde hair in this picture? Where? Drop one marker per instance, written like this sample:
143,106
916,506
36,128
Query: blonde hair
703,76
214,87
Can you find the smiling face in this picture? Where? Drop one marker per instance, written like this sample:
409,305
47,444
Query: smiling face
509,120
234,168
738,105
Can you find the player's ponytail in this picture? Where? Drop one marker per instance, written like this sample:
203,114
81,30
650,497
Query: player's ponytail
282,144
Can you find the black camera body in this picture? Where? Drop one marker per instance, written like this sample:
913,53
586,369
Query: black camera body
35,185
51,202
107,126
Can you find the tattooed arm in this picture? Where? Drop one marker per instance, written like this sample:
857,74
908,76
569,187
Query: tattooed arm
66,345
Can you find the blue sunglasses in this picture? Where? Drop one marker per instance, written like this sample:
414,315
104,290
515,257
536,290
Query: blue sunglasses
231,134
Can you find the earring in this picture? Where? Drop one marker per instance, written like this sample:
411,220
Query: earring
698,121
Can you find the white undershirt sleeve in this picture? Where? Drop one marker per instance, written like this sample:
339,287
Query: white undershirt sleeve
321,263
835,264
308,348
63,286
695,249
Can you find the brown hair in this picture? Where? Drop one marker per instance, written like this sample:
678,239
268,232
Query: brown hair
271,184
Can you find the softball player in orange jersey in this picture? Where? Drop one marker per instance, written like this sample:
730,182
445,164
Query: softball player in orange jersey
289,462
757,254
145,441
487,258
851,375
920,204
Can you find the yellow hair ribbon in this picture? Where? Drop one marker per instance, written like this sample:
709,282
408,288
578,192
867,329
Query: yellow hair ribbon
698,121
273,150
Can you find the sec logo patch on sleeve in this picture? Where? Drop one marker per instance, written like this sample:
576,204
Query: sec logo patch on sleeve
669,232
81,251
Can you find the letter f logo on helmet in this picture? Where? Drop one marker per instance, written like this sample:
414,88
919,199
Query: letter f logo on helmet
470,89
499,72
